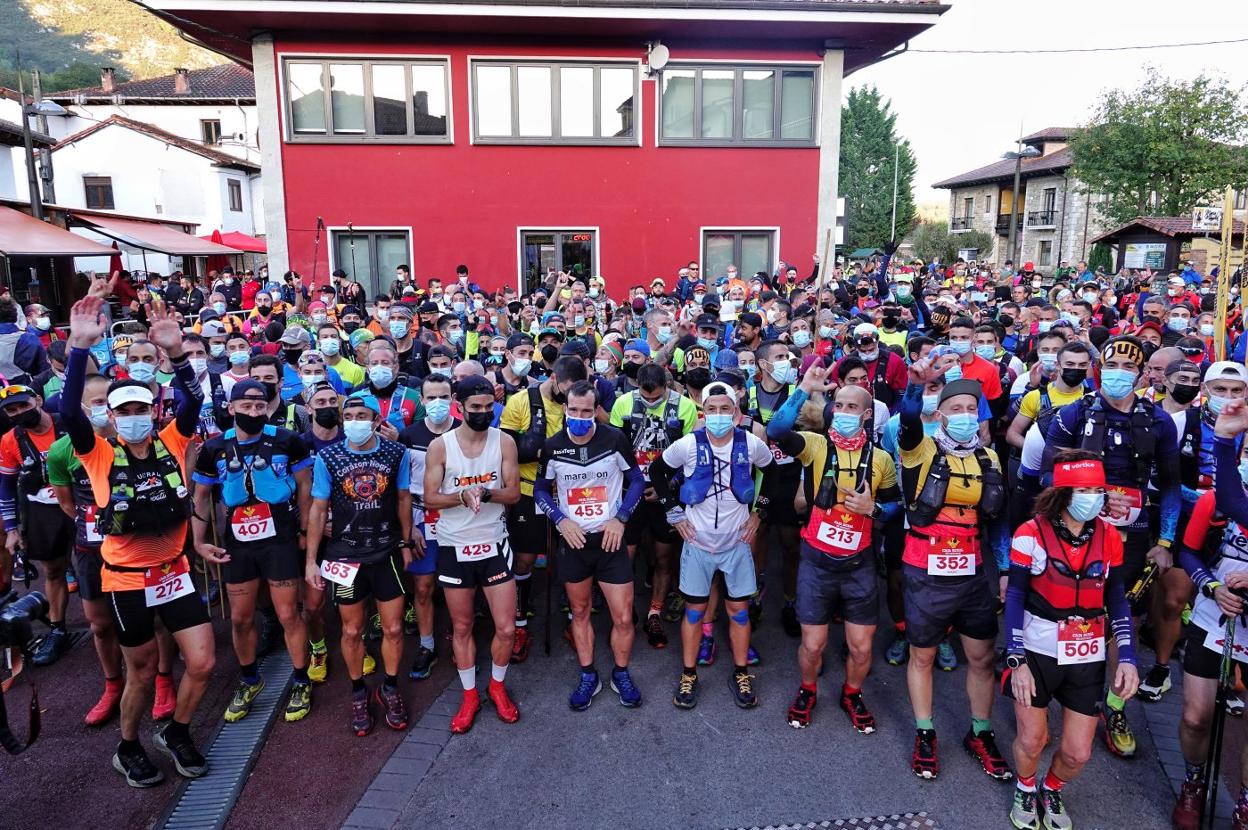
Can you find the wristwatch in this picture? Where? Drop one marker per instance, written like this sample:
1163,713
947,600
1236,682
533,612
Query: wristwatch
406,543
487,496
1209,587
1015,660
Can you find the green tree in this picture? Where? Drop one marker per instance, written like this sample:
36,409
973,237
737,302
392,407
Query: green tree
1164,148
1101,257
868,143
933,239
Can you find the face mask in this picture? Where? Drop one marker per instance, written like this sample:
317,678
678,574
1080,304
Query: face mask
601,366
750,369
383,314
707,343
699,298
801,338
580,426
521,366
250,424
479,421
458,307
319,318
783,373
1090,297
594,292
43,323
216,349
142,372
26,420
664,334
550,353
263,309
327,416
826,332
1072,318
960,347
219,308
953,373
1178,324
327,299
1084,507
99,416
1044,326
438,410
350,326
1117,383
134,428
1184,392
846,424
930,402
1243,471
962,428
1036,284
718,425
1048,362
239,358
312,380
1074,377
986,352
901,292
869,357
1216,403
199,364
456,336
1005,320
1174,292
1206,329
358,432
398,329
578,321
380,376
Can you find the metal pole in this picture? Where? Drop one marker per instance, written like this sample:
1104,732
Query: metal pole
45,155
1018,172
32,180
896,158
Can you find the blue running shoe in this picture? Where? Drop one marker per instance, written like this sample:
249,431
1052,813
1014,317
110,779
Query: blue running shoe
752,657
706,651
946,660
622,685
583,695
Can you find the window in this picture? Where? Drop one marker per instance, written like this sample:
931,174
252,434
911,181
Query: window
99,192
968,206
370,100
235,189
988,204
563,250
210,131
1044,254
370,257
741,106
750,250
1050,199
554,103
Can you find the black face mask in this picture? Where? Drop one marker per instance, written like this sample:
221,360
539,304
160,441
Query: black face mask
631,369
270,390
862,292
550,353
250,424
328,416
292,356
890,322
1185,393
698,378
1074,377
1005,320
26,420
478,421
263,310
350,327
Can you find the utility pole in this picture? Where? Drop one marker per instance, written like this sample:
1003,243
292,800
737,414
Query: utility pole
32,179
896,158
45,154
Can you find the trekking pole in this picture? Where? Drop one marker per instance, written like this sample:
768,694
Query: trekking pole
823,275
1213,760
351,238
212,526
316,246
550,582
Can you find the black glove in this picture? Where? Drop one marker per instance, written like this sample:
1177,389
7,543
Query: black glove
890,247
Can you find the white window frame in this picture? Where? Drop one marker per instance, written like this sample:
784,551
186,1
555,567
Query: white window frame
736,140
356,229
521,230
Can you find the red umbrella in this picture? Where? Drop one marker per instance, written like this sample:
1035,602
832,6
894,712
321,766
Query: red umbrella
114,262
217,261
239,241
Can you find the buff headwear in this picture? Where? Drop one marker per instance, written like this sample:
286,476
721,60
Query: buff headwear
1123,348
1084,473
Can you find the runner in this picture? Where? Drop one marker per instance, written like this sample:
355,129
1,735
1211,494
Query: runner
470,474
581,480
364,482
1055,610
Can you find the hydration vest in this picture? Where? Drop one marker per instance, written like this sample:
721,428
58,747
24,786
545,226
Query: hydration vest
364,501
1143,441
832,530
33,474
1196,470
672,427
248,482
531,441
930,498
880,389
1059,591
698,484
148,512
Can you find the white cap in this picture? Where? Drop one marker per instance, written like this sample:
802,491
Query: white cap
130,393
865,328
1227,370
718,388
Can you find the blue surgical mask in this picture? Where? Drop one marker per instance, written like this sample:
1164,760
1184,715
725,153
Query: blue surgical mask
707,343
142,372
380,376
134,428
219,308
718,425
1215,403
1178,324
960,346
963,427
901,291
216,349
846,424
1044,325
1048,362
358,432
1117,383
930,402
579,426
1085,507
578,320
398,329
456,336
826,332
930,427
1206,329
438,410
239,358
458,307
99,416
331,346
986,352
953,373
664,334
750,369
783,373
801,338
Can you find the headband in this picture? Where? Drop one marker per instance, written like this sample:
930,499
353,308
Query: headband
1079,474
1123,350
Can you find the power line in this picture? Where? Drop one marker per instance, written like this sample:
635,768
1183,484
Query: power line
1070,51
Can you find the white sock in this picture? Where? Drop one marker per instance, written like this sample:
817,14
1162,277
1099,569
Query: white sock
498,673
468,678
426,641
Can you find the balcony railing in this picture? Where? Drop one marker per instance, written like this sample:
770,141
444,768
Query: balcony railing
1003,222
960,223
1041,218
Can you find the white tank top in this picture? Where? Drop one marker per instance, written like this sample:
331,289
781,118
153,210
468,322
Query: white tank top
458,525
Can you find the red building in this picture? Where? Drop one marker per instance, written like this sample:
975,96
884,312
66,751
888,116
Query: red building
517,135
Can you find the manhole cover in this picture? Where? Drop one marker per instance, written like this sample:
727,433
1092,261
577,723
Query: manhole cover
905,821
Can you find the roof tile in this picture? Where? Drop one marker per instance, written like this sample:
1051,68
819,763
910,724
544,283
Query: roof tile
1003,169
226,80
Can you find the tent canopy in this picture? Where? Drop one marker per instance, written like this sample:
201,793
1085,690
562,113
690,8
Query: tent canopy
24,235
152,236
239,241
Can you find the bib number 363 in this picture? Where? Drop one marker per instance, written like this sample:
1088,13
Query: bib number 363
1080,641
167,582
340,573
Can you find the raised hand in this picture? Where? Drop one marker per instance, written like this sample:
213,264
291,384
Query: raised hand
1233,420
816,379
87,322
165,332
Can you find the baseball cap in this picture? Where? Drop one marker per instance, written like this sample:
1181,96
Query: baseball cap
866,330
295,336
473,385
707,321
1227,370
363,399
213,328
576,346
718,387
123,393
1176,366
239,391
552,331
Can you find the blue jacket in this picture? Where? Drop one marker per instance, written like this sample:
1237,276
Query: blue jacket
29,354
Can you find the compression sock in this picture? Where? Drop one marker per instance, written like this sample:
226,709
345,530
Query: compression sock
978,725
708,629
390,681
468,678
498,673
811,687
1027,784
1193,772
1052,783
249,673
301,676
1114,702
318,647
426,641
357,686
847,690
525,585
923,723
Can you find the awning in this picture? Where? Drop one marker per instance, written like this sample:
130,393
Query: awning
151,236
24,235
239,241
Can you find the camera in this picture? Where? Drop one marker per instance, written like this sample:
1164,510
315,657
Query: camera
16,617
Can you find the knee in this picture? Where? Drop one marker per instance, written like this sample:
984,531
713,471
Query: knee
1077,756
580,612
741,616
288,616
144,671
860,651
242,624
922,658
694,616
1195,719
506,631
1032,743
200,668
623,620
424,592
352,631
1172,605
54,570
392,629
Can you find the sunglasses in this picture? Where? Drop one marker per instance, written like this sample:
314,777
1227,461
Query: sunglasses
11,391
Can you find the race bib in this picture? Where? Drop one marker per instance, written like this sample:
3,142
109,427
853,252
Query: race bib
1122,506
253,522
340,573
1080,641
1215,640
90,528
778,455
588,502
645,458
842,530
167,582
475,553
950,557
430,525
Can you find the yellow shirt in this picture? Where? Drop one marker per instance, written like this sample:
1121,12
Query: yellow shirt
965,487
515,418
1030,404
814,456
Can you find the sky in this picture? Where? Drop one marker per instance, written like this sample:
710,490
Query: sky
962,111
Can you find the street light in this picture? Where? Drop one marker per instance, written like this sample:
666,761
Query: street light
1027,152
38,108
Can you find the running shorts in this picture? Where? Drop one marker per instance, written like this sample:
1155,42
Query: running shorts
934,603
649,516
698,567
1079,687
136,622
527,527
826,585
49,533
592,562
484,573
380,580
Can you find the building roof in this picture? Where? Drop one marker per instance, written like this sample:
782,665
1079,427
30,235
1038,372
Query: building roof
1003,170
11,136
225,81
1048,134
1171,226
217,157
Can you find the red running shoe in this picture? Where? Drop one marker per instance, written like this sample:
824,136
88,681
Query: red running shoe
107,705
924,761
1190,808
859,715
467,713
982,746
507,711
1239,818
802,708
520,646
166,699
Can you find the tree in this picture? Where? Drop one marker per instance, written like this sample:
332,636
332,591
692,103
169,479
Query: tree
933,239
1101,257
1164,148
868,142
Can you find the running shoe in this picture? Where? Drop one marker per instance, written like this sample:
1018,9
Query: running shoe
299,704
369,666
244,696
1189,810
19,575
1023,813
686,696
923,761
508,712
426,659
71,582
166,698
1235,706
389,699
674,608
520,646
467,714
583,695
318,666
898,650
139,770
802,708
982,746
706,651
1119,738
108,704
622,684
186,758
1239,817
1054,811
946,659
752,657
361,713
655,634
410,626
373,630
788,620
51,647
743,694
1155,684
859,715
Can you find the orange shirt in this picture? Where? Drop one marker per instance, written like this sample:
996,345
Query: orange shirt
133,551
11,458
